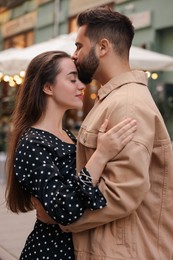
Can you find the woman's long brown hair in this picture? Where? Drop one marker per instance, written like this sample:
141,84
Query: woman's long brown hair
30,104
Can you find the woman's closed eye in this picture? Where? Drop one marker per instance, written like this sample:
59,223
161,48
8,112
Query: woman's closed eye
73,80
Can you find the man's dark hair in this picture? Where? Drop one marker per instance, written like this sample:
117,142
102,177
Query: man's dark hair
105,23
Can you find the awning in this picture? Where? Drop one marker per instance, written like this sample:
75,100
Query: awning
12,61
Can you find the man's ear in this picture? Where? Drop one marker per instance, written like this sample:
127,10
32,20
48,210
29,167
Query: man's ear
104,46
47,89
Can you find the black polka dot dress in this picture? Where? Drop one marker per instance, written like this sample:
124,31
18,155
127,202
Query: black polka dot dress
46,167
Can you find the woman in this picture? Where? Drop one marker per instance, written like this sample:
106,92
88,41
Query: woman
41,155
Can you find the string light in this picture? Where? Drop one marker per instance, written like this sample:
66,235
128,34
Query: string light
12,83
17,79
6,78
93,96
154,76
148,74
13,80
22,73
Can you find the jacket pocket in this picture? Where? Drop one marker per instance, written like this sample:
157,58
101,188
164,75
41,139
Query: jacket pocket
88,138
120,231
130,234
125,237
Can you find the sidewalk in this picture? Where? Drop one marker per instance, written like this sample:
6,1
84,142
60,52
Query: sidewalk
14,230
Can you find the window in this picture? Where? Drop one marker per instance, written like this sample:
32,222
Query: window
19,41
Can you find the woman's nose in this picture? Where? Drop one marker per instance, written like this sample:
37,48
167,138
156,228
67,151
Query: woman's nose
81,85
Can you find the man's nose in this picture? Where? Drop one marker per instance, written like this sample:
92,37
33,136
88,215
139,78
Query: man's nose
74,56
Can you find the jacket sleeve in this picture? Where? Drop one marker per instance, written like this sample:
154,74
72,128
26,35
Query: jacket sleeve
124,183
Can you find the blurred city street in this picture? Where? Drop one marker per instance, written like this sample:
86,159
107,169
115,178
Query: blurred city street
13,228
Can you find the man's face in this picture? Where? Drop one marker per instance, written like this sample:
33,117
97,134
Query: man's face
85,57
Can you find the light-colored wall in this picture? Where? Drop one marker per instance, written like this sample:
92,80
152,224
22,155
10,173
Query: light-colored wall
76,6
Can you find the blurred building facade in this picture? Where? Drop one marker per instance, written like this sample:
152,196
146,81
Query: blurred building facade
24,23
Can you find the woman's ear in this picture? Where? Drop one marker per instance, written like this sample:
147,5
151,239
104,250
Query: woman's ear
104,46
47,89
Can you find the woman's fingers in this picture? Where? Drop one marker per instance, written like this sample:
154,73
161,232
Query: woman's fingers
123,127
103,126
127,139
128,135
128,127
123,132
129,130
111,142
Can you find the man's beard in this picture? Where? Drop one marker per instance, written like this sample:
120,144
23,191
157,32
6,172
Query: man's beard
87,67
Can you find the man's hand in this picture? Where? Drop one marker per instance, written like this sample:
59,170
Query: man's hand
41,213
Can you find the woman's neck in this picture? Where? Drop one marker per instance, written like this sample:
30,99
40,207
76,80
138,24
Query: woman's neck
53,124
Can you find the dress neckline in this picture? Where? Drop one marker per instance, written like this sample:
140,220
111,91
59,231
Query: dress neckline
72,137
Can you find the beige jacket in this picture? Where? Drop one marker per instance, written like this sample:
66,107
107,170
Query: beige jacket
137,223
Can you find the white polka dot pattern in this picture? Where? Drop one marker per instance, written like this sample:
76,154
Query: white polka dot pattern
46,167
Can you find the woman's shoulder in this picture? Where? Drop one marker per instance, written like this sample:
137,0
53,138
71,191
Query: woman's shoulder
33,137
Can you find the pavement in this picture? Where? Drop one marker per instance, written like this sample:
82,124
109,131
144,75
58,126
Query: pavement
14,228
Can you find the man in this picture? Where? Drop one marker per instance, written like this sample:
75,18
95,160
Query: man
137,223
138,185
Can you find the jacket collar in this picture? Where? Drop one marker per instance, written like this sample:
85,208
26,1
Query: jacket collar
135,76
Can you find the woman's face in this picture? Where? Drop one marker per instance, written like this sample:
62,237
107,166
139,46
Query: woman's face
67,92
